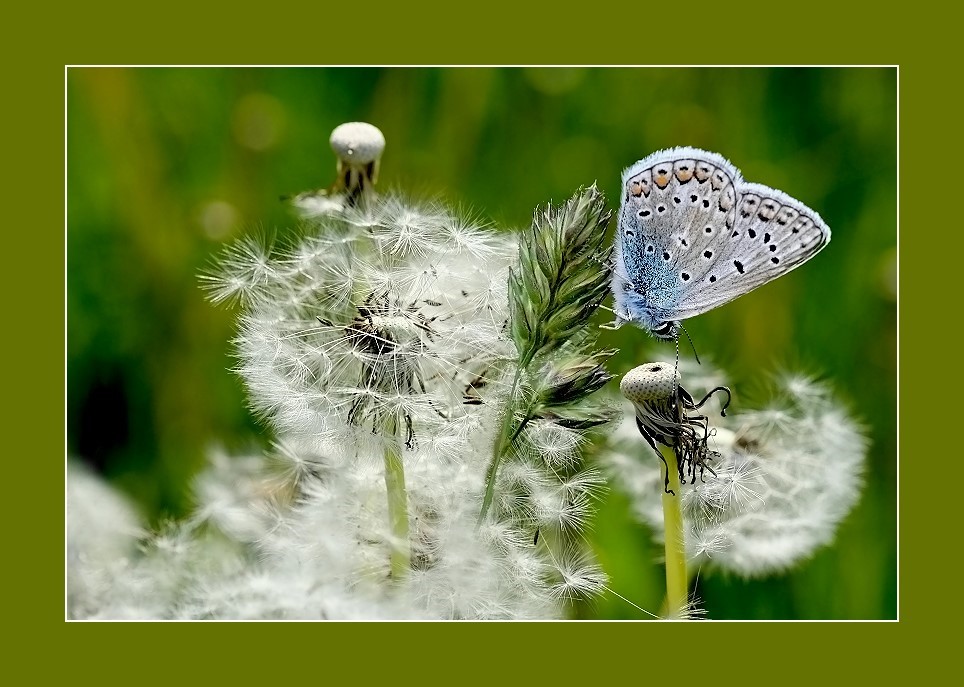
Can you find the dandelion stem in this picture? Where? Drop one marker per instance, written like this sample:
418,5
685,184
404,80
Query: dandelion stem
677,583
401,555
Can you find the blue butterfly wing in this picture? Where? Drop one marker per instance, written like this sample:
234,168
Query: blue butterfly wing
693,235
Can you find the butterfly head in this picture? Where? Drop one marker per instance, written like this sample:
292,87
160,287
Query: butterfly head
642,318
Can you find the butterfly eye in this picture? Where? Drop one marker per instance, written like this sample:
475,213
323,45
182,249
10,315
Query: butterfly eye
667,330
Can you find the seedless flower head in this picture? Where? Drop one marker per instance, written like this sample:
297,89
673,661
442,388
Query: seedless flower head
650,383
359,147
666,414
357,143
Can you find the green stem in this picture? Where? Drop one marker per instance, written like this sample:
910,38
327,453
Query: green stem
677,583
401,555
502,442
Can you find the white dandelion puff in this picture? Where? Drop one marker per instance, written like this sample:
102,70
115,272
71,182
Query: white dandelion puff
377,345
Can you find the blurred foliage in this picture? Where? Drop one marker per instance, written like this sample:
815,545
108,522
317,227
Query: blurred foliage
165,165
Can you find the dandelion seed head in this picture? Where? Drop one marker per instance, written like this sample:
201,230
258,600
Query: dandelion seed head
707,542
702,502
319,204
103,529
386,324
295,462
242,274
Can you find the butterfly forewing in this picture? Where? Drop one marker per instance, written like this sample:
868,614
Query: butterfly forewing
676,205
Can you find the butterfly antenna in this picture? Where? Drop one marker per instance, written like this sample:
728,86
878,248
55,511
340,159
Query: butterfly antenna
695,354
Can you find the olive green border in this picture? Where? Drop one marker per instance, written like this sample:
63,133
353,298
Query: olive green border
594,33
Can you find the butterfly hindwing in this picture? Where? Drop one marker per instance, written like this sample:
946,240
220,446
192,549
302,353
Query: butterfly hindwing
773,233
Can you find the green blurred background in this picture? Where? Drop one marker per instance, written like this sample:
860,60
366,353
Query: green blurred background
166,165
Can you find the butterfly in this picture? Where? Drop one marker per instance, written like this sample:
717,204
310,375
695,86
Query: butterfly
694,235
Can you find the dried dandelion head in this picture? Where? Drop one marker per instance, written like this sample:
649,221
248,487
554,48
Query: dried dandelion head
666,414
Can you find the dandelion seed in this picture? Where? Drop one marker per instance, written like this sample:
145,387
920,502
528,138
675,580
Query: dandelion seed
578,576
242,273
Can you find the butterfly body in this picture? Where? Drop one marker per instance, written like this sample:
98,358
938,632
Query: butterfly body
693,235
